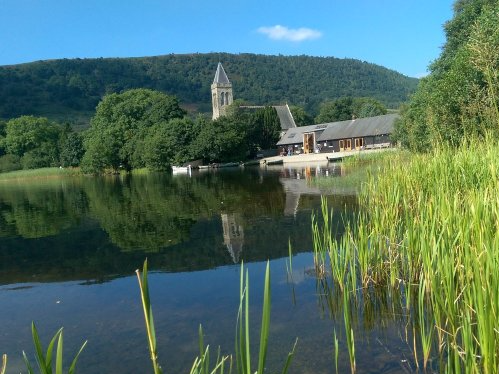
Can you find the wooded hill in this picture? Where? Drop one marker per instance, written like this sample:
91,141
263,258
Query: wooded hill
69,90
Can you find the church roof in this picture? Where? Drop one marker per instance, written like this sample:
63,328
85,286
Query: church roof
285,116
283,112
220,76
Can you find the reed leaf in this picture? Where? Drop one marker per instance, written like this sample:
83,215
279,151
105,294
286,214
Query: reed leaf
4,364
148,317
45,361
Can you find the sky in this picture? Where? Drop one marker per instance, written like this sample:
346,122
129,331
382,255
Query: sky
403,35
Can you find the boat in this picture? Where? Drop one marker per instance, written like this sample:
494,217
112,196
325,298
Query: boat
182,169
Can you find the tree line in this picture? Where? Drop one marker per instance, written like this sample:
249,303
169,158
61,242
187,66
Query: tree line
135,129
70,89
460,96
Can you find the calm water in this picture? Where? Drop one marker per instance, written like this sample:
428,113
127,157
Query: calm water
69,249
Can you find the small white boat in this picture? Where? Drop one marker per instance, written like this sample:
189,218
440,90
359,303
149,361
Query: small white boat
182,169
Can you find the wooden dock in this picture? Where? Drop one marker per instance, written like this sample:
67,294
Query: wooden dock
315,157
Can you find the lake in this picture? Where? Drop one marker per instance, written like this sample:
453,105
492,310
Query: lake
69,249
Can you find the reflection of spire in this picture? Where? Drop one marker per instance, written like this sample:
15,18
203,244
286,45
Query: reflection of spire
233,235
292,202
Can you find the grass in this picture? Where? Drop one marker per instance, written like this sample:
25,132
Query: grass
429,232
43,173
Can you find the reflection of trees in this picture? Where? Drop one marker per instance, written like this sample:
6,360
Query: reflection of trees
157,211
95,228
40,209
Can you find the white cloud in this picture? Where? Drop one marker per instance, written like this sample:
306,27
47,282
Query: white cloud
279,32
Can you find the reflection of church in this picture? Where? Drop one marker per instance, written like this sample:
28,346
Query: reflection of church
233,235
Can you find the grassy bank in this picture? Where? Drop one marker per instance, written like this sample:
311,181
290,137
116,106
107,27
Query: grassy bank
428,232
43,173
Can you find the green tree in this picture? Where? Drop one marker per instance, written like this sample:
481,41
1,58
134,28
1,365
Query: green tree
121,123
34,139
347,108
3,127
459,97
265,128
72,150
367,107
169,143
222,140
301,117
337,110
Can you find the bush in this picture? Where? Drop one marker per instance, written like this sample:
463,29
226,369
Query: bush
9,163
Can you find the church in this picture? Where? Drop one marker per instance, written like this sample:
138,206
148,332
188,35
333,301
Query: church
222,96
340,136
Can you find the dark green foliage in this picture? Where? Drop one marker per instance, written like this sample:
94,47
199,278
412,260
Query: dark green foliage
460,96
347,108
120,125
169,143
368,107
3,127
265,128
72,150
72,88
301,117
223,140
337,110
9,163
34,140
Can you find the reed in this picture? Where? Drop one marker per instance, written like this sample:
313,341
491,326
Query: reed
4,364
201,364
336,351
148,317
429,228
243,351
44,361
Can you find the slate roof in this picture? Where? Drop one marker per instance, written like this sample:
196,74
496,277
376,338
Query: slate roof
285,116
295,135
220,76
357,128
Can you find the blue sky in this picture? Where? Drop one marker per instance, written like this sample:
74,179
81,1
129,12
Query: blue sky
404,35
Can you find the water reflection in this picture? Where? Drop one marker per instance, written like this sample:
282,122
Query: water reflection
94,232
233,235
100,228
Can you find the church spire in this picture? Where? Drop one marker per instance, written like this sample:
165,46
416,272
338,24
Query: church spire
221,92
220,76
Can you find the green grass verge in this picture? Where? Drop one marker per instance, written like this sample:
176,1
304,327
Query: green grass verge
40,173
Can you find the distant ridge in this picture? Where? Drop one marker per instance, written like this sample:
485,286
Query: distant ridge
69,89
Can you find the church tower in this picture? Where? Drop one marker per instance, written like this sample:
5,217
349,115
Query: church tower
221,92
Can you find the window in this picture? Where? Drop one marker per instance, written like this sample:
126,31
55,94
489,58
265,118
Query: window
349,144
342,145
359,142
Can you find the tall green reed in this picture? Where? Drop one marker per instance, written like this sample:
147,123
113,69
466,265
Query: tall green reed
4,364
243,356
430,222
148,317
243,351
44,361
